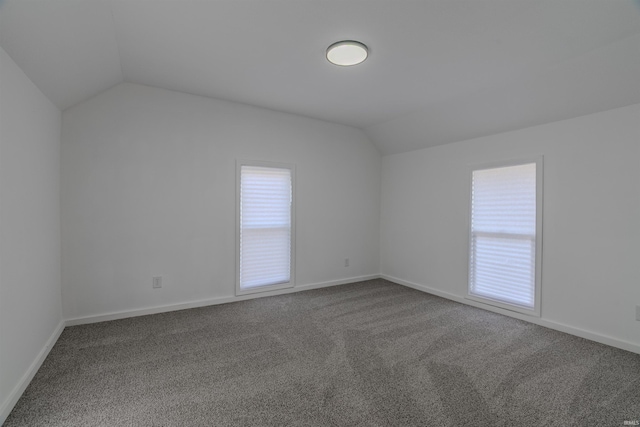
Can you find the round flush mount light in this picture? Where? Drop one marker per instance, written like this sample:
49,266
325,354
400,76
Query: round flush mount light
347,53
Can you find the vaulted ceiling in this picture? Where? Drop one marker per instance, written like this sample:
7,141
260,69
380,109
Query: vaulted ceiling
439,70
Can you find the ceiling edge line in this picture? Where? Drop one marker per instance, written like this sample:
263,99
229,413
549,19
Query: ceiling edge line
115,36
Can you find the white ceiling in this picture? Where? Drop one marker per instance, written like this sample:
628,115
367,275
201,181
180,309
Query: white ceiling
439,70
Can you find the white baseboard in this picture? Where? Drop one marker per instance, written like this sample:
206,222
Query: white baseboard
15,394
210,301
582,333
17,391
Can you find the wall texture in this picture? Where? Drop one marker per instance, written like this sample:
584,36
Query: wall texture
591,217
30,308
148,189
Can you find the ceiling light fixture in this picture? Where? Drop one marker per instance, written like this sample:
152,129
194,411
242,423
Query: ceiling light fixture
347,53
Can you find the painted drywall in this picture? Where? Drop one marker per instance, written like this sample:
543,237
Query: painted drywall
591,208
30,302
148,189
573,88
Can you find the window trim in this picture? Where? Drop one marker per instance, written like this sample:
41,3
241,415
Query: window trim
267,164
539,161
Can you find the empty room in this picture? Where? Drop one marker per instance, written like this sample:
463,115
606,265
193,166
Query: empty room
319,213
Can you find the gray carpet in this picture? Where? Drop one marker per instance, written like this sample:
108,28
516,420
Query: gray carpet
366,354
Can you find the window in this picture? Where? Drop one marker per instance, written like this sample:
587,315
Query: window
265,231
505,239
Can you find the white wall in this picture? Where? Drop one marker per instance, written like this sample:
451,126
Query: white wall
148,188
590,277
30,307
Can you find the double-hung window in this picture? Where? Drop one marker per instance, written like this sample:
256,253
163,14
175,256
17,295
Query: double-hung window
265,231
505,238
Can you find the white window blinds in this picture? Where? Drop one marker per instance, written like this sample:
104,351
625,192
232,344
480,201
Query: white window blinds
265,226
503,235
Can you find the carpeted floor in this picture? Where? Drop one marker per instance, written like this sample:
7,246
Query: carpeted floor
366,354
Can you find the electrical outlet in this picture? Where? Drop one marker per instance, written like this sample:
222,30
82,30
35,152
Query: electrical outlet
346,262
637,312
157,282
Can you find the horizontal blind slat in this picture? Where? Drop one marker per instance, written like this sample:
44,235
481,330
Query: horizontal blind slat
265,226
503,230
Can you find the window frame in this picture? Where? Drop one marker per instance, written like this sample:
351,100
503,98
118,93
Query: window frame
539,162
266,164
